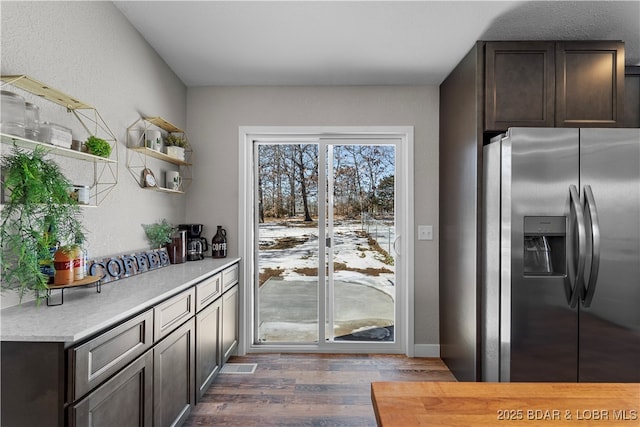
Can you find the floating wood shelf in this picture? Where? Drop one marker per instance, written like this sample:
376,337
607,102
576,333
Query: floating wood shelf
53,149
163,124
160,156
45,91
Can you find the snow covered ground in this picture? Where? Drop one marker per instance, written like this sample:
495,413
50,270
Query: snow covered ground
360,270
350,247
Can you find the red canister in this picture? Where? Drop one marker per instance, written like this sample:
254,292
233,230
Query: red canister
63,263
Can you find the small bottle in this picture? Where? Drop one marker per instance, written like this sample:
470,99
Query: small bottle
78,263
219,243
46,264
85,257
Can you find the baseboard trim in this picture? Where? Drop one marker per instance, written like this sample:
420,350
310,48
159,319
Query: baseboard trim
426,350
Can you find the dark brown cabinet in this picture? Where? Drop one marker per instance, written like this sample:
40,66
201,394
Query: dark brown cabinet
589,84
632,97
229,322
208,291
174,376
553,84
99,358
32,385
520,87
229,277
498,85
208,331
148,369
172,313
208,346
124,400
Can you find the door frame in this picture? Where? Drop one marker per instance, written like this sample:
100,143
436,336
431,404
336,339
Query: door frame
405,269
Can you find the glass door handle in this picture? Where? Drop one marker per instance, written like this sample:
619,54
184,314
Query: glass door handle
574,289
590,288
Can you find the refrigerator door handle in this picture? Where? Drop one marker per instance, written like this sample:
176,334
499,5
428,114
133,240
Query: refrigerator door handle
574,289
590,288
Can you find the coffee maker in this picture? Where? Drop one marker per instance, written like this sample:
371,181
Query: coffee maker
196,244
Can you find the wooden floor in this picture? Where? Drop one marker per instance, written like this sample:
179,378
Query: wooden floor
307,389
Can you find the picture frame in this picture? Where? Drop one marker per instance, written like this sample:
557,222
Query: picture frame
148,178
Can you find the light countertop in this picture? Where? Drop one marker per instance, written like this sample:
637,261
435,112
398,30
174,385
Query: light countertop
86,312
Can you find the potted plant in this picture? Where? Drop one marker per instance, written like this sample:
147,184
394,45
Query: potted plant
39,214
98,146
175,145
159,233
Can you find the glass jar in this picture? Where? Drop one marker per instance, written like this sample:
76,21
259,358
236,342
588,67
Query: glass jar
32,121
55,134
12,113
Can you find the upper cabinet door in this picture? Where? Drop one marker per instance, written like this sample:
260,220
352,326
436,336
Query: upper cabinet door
519,84
631,97
589,84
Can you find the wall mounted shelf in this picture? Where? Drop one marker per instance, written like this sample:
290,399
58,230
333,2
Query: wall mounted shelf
30,144
138,154
165,190
160,156
105,170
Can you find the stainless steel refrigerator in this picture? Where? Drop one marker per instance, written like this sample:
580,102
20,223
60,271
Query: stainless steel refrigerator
561,256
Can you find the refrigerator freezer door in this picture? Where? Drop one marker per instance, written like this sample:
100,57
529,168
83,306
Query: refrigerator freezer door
610,325
539,340
490,331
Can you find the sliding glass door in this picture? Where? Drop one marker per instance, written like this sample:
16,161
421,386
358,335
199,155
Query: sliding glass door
325,229
360,233
287,246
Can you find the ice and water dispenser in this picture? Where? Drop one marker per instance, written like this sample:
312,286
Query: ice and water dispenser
545,245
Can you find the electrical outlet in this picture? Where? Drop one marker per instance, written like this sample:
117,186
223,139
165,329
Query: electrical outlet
425,232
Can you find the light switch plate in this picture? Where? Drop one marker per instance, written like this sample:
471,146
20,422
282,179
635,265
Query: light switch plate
425,232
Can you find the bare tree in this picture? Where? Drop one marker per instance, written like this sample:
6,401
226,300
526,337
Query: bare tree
300,163
288,179
291,161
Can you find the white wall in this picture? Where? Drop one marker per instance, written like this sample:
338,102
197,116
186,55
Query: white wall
215,114
90,51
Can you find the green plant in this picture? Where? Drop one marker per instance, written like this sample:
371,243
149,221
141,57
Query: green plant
175,140
159,233
39,213
98,146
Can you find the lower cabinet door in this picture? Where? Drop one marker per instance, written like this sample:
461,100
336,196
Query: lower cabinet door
229,322
208,358
124,400
101,357
174,376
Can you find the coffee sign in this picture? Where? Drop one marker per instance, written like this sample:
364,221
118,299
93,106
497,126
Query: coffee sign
120,267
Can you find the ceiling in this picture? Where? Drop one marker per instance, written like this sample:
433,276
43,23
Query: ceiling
213,43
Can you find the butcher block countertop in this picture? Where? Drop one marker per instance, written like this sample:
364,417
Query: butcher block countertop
444,404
